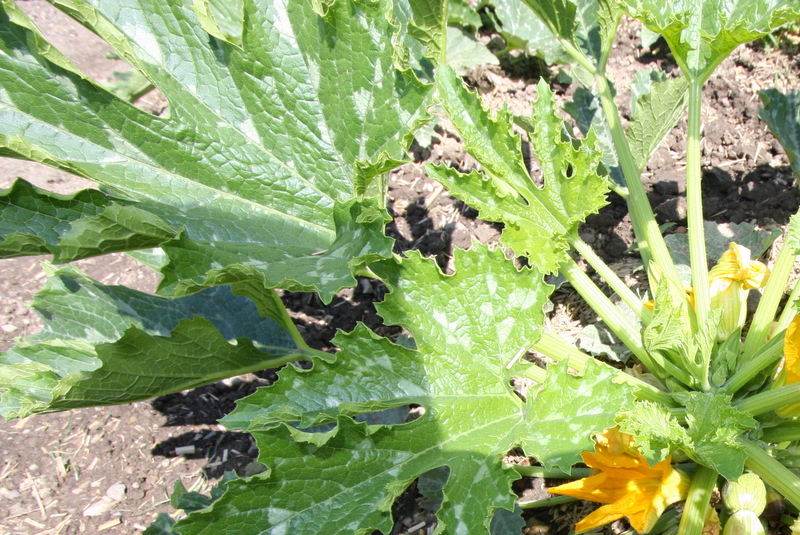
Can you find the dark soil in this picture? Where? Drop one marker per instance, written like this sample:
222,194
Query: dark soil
111,469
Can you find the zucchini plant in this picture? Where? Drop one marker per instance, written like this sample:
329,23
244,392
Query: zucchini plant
269,172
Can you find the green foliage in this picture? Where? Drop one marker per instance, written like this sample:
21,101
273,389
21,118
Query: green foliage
277,135
537,220
460,367
567,411
781,112
269,172
105,344
701,33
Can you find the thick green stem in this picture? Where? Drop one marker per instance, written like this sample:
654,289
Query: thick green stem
694,205
770,300
555,473
557,349
618,323
648,235
789,311
697,502
547,502
770,399
788,431
767,355
772,472
611,278
535,374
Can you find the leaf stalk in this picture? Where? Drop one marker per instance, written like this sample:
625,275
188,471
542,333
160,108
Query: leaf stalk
771,471
770,300
697,502
766,356
770,399
694,205
648,235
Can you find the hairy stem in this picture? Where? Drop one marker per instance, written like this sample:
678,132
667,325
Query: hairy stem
770,300
787,431
618,323
541,471
770,399
694,205
620,288
697,502
789,311
771,471
648,235
768,354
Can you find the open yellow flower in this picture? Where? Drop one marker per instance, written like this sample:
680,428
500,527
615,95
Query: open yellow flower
729,283
790,373
626,483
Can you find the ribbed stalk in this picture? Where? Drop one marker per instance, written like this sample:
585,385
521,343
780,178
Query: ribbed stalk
767,355
697,502
770,399
694,205
618,323
785,432
541,471
772,472
611,278
648,235
767,307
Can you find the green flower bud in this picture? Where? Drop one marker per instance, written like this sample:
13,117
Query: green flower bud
747,493
744,522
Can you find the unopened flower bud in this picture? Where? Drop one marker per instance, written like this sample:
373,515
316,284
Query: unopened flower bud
748,493
744,522
730,281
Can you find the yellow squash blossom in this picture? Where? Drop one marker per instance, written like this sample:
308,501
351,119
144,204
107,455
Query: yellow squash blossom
790,373
729,283
626,483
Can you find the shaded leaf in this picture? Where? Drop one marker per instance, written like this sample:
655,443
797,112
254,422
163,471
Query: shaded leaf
482,316
781,112
106,344
87,223
464,52
589,25
521,28
718,239
657,108
587,111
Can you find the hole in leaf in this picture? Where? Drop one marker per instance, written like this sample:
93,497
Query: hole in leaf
414,511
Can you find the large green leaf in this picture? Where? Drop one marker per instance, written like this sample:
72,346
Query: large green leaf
521,28
563,417
708,438
88,223
781,112
266,146
468,327
537,220
701,33
107,344
589,25
659,106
